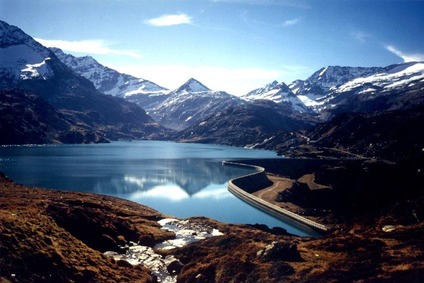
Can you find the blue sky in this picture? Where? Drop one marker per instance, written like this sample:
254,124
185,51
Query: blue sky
230,45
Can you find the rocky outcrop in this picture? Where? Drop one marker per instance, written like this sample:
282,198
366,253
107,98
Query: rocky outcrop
40,242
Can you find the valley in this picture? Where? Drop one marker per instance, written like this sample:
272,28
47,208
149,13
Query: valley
352,136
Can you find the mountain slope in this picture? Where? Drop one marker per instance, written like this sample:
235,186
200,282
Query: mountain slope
314,90
391,135
346,89
31,68
278,93
190,104
107,80
248,124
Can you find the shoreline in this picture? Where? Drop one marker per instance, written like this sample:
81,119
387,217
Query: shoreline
237,186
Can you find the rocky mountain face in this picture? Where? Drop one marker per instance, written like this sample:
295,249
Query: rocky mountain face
395,87
395,136
273,115
109,81
314,90
279,93
336,89
361,112
29,69
249,124
176,110
353,89
190,104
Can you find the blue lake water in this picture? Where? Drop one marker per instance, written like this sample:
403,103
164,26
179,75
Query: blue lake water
177,179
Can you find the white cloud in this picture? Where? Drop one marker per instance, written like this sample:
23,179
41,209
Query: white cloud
169,20
235,81
360,36
95,46
405,57
291,22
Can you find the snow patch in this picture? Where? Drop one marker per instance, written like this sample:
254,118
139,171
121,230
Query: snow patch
23,62
40,70
185,231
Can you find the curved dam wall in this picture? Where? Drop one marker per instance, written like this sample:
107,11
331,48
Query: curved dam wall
251,182
244,186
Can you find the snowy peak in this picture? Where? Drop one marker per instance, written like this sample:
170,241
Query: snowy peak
192,85
389,78
279,93
11,35
21,57
107,80
332,76
315,90
259,91
335,87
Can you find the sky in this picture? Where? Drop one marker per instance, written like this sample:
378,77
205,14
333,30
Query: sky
230,45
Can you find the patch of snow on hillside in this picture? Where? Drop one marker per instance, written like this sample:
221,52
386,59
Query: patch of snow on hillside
310,102
22,62
36,70
400,75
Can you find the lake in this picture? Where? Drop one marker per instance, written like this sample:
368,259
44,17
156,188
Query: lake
177,179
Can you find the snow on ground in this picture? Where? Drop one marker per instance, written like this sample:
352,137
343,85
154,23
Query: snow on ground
400,75
185,231
23,62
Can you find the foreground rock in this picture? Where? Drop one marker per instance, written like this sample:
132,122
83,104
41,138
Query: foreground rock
55,236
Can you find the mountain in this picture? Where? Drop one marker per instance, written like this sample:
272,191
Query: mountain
248,124
28,68
192,85
21,58
314,90
107,80
392,135
396,87
190,104
279,93
345,89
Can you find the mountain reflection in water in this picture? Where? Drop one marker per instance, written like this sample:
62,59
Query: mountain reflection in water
182,180
173,179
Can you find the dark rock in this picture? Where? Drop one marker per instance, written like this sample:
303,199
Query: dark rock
174,267
147,240
124,263
280,269
274,230
282,251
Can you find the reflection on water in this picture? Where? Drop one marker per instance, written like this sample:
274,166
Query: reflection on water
180,180
170,178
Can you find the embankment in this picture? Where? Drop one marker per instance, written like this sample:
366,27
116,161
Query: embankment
244,186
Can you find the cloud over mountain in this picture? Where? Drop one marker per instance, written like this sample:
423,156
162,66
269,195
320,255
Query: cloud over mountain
405,57
91,46
170,20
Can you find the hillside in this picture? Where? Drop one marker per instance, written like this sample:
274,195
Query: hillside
29,69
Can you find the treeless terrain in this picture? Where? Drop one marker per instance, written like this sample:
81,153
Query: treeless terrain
56,236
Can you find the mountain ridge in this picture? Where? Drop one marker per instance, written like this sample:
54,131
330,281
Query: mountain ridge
107,80
32,69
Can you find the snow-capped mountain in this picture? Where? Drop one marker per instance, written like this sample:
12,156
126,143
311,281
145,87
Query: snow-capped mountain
191,103
280,93
21,57
107,80
373,89
315,90
387,79
33,77
192,85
